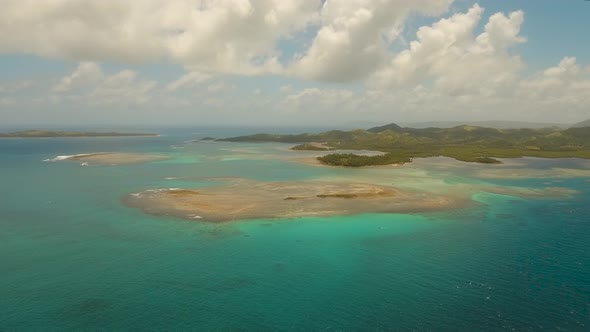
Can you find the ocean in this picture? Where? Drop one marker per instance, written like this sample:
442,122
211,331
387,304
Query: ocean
73,257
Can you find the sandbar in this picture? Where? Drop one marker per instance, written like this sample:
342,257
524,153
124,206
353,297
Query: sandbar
110,158
248,199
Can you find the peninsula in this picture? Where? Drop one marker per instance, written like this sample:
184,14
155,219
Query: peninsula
50,133
465,143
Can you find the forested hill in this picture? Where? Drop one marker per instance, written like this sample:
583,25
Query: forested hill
582,124
468,143
391,136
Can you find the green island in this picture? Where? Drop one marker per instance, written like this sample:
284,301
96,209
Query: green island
465,143
312,147
49,133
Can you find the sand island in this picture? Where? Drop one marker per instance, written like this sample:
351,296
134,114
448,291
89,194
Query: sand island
248,199
109,158
369,192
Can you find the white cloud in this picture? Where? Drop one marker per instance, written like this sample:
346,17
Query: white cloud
232,36
216,87
88,84
457,62
450,70
354,35
12,87
7,101
225,36
86,74
559,94
123,87
188,80
315,100
565,87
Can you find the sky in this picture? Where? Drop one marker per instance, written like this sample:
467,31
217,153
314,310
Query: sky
324,63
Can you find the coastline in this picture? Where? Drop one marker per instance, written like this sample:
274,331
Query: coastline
399,145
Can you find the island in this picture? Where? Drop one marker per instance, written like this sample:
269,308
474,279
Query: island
313,146
50,133
108,158
399,145
240,199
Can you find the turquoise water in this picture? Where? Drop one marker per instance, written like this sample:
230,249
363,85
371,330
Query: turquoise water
72,257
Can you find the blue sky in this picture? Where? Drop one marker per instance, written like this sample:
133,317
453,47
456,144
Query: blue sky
553,28
263,62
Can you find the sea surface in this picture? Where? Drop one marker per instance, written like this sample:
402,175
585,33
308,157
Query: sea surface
73,257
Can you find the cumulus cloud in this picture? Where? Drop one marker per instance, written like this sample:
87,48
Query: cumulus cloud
559,94
317,100
458,62
123,87
459,67
15,86
87,73
89,85
565,86
235,36
188,80
354,35
225,36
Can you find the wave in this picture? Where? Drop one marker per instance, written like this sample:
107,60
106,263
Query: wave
66,157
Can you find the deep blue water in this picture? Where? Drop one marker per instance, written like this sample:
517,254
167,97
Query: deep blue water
73,257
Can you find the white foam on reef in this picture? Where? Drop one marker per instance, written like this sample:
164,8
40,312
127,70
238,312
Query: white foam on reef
170,178
66,157
156,190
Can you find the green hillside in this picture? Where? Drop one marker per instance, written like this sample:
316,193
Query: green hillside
465,143
582,124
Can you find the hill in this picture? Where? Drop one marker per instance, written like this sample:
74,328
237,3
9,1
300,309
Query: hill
488,124
465,143
582,124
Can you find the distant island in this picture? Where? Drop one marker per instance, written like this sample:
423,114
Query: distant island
49,133
582,124
465,143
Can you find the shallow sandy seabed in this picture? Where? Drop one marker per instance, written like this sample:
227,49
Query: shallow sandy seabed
510,169
115,158
542,193
526,173
239,199
247,199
